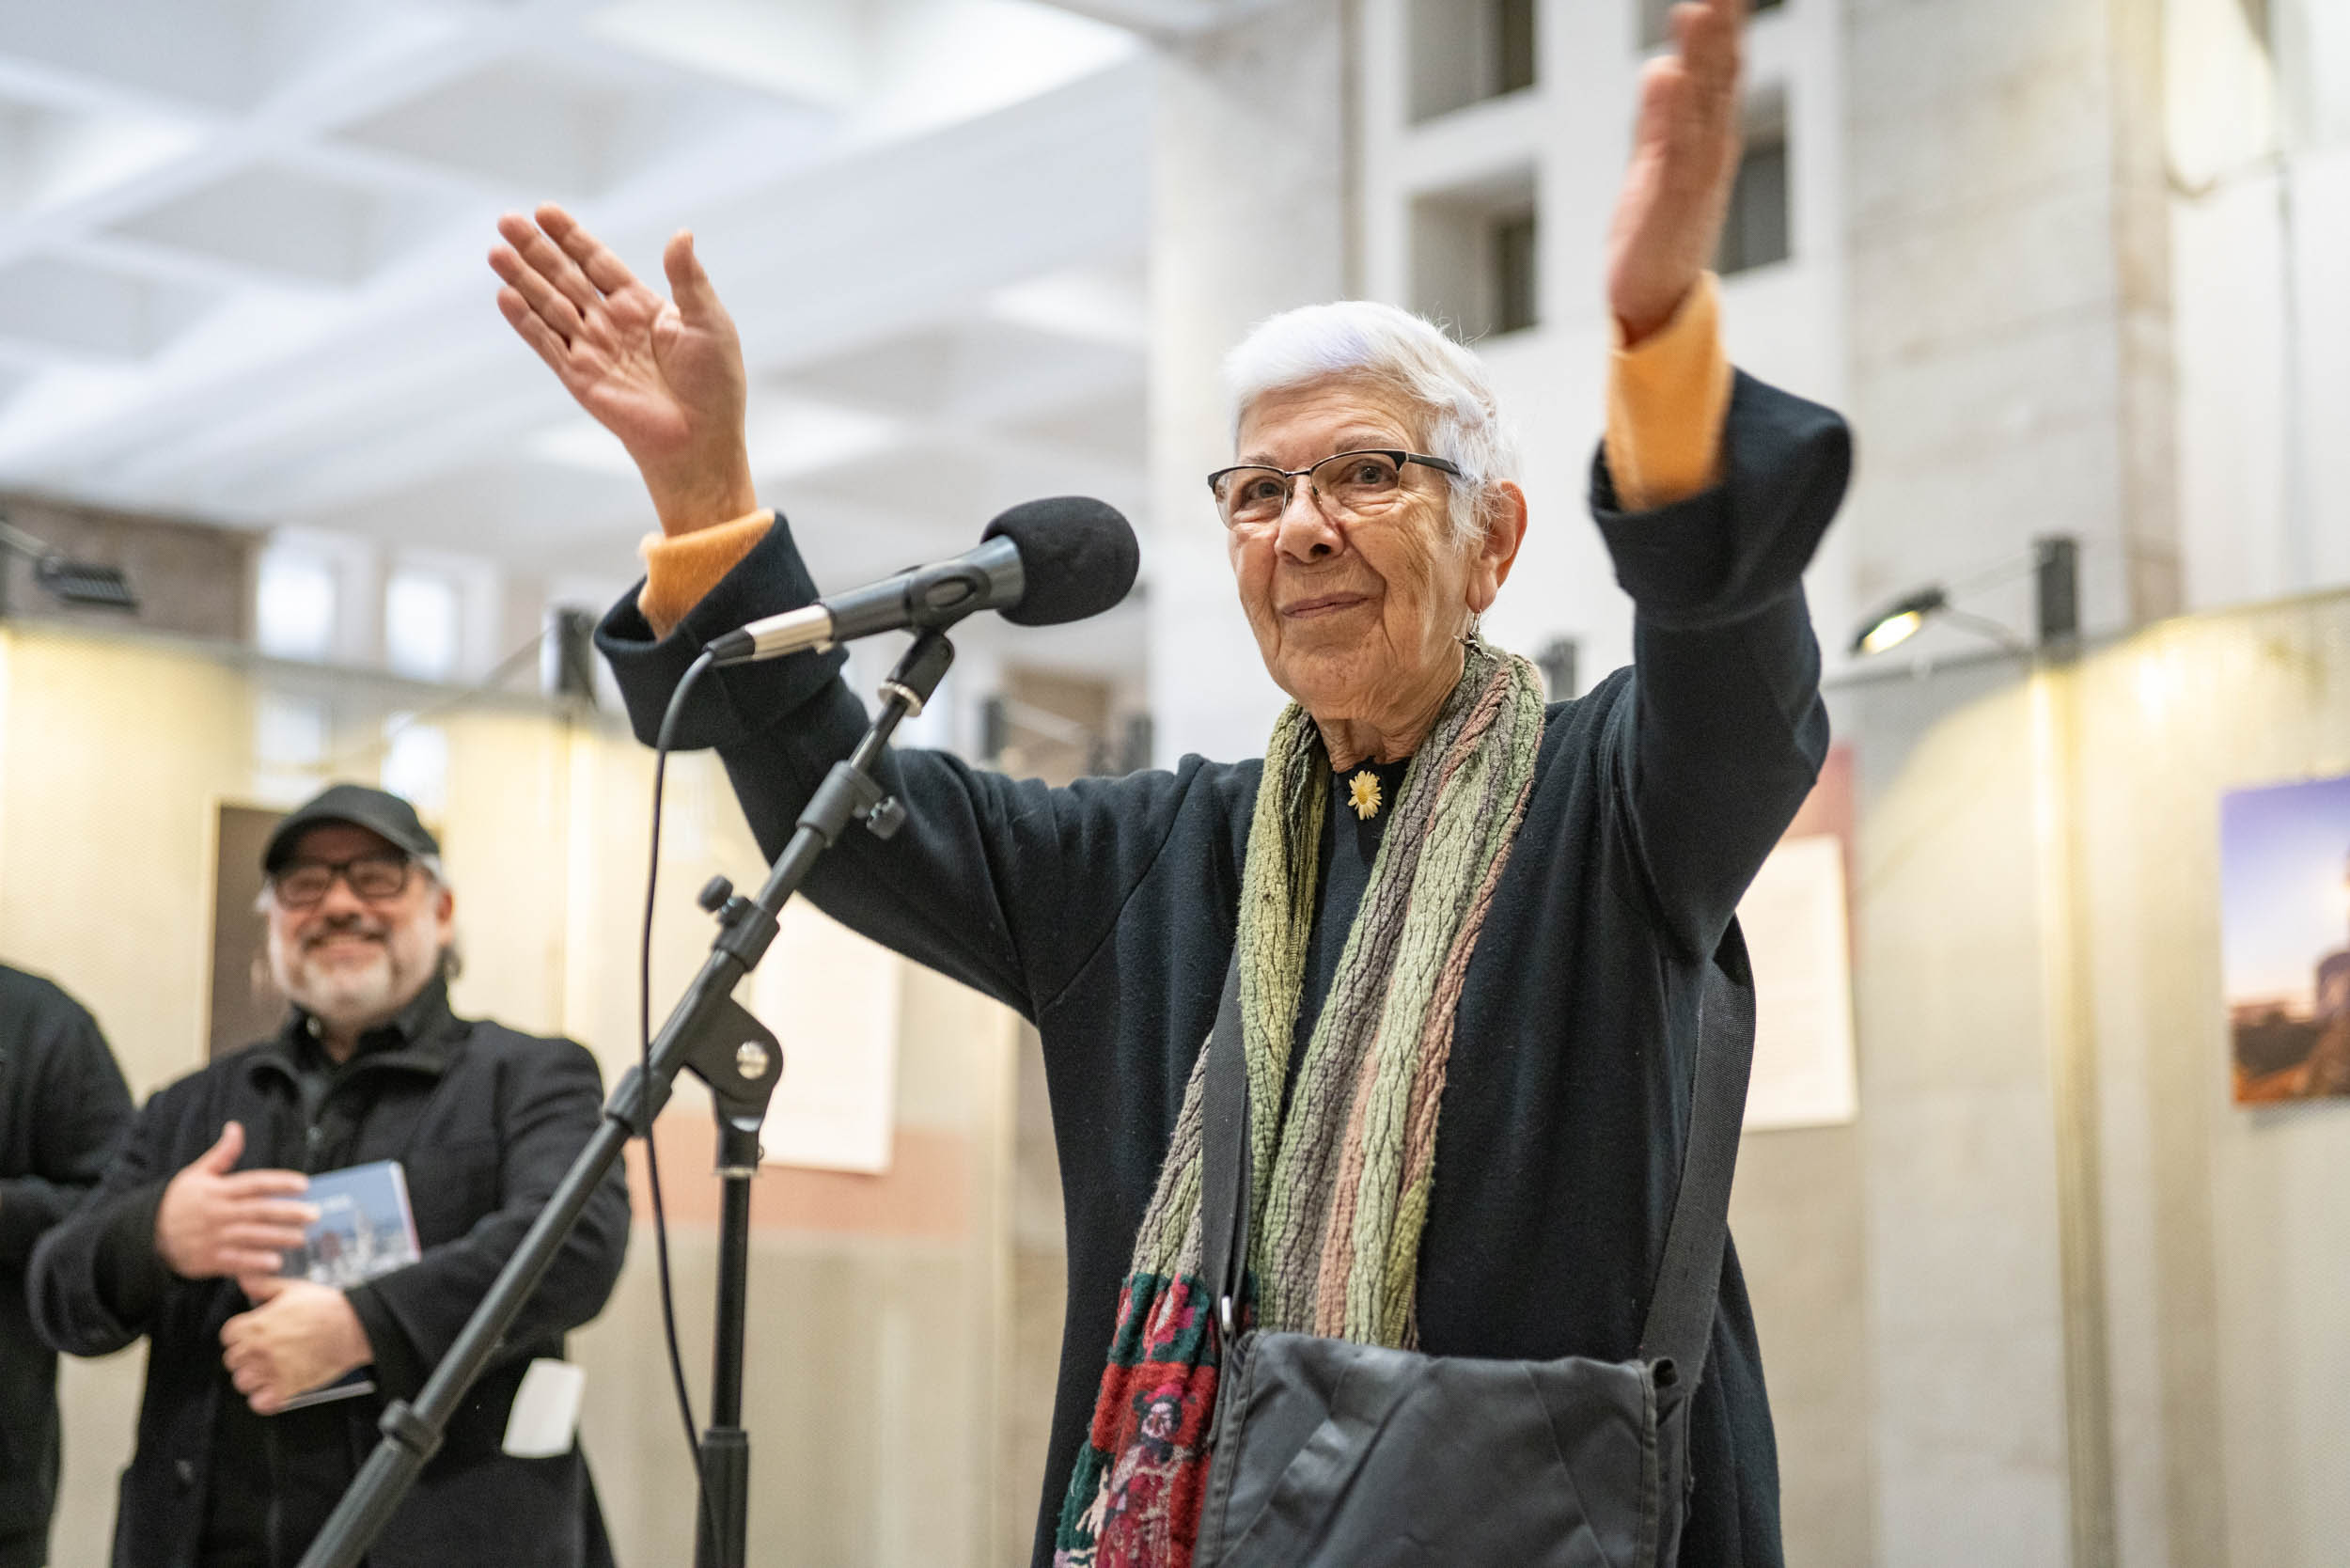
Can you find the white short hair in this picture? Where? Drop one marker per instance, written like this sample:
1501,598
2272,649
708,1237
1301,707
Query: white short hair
1400,353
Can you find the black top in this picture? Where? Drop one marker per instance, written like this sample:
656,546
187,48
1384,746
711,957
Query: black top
1105,911
485,1120
62,1104
1349,843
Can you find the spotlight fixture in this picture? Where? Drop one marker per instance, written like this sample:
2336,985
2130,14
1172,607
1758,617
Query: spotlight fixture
1899,621
90,584
2054,564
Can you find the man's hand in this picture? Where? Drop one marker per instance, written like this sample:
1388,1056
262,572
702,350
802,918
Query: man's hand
299,1336
215,1221
666,376
1685,159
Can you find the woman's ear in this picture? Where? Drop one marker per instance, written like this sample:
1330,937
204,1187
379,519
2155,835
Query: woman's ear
1504,506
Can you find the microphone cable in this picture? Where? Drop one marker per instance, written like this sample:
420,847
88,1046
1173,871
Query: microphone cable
662,744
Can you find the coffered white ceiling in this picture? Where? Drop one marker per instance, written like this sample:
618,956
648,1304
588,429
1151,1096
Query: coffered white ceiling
241,245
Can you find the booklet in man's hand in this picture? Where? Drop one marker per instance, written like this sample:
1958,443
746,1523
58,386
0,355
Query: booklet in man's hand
364,1230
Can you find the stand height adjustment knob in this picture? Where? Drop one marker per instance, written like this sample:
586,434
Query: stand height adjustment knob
886,817
714,893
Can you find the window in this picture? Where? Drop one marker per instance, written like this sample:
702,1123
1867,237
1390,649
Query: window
1464,52
289,737
294,604
416,762
1755,232
1656,29
1476,257
1512,248
1512,32
420,624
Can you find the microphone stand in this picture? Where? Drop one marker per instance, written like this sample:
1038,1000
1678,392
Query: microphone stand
713,1036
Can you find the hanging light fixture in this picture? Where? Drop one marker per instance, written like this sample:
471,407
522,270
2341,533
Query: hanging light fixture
2054,564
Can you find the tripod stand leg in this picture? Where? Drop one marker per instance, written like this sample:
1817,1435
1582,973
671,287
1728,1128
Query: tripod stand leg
726,1473
726,1447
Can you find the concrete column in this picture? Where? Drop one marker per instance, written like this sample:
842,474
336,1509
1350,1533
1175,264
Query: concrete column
2009,294
2011,376
1250,189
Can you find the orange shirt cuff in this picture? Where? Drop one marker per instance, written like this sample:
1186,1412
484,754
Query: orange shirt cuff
681,568
1667,398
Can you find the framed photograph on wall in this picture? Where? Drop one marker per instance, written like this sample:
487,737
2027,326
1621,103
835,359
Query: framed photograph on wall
247,1007
2284,878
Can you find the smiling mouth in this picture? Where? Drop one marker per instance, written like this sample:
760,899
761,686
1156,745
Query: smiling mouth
1328,604
342,939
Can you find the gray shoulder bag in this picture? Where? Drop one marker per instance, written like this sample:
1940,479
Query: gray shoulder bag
1330,1454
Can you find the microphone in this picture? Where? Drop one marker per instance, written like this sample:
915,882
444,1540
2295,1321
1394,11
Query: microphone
1041,562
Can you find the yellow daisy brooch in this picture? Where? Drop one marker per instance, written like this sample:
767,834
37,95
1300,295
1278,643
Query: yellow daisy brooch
1362,792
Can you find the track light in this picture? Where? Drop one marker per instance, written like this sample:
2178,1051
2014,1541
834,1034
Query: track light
1899,621
90,584
2054,564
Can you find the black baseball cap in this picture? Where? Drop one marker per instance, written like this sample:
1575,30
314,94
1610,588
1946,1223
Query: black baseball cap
379,812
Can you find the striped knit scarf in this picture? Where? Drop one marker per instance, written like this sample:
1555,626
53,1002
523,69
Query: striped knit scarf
1339,1184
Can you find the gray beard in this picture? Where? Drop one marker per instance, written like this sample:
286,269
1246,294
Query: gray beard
345,999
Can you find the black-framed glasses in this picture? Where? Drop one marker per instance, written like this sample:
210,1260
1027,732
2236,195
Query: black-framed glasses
373,877
1355,485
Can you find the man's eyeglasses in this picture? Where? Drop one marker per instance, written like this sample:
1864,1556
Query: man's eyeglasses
1354,485
373,877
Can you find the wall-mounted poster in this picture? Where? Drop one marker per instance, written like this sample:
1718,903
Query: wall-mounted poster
832,997
2284,873
1798,937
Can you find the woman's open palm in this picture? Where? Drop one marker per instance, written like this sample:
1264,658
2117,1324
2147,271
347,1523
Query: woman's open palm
1685,159
665,376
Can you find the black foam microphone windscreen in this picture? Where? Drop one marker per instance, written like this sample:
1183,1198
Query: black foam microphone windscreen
1077,557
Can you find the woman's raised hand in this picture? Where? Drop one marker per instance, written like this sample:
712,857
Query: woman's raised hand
1685,159
666,376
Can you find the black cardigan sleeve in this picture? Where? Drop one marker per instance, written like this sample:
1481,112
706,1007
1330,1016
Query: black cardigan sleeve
1726,731
1006,884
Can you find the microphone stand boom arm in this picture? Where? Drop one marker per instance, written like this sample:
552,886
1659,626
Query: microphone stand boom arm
726,1048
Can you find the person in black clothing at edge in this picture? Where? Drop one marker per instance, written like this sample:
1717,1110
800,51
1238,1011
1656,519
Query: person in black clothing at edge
1431,879
62,1104
183,1240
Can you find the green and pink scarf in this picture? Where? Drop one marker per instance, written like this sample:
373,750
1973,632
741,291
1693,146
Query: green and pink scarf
1340,1183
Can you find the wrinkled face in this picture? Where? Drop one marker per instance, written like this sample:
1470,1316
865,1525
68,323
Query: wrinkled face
353,961
1357,619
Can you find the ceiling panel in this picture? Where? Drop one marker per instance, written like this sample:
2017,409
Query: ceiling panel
241,258
84,311
275,219
1112,427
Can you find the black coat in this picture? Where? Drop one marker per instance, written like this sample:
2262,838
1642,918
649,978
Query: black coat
1105,911
62,1104
485,1120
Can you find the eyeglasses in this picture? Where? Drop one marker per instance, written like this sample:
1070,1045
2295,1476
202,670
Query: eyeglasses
373,877
1355,485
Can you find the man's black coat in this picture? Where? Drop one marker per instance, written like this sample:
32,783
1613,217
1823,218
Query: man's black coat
62,1105
485,1120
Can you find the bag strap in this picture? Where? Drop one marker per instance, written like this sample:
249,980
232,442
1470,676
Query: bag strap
1224,1159
1679,1318
1681,1308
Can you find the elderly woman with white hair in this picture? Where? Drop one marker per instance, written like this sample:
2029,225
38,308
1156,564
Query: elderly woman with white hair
1433,886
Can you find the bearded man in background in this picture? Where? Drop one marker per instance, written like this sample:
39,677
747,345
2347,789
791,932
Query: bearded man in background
184,1240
